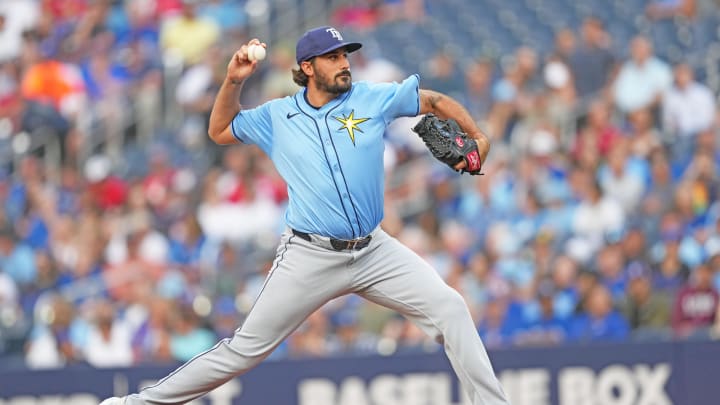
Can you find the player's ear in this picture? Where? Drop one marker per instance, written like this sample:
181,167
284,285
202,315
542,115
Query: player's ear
307,67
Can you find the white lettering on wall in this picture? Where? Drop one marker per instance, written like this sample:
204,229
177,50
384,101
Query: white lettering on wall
530,386
386,389
614,385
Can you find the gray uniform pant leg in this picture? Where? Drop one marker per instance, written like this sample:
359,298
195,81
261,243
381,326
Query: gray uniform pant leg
303,278
392,275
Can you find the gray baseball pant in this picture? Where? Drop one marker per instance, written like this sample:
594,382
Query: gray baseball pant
306,275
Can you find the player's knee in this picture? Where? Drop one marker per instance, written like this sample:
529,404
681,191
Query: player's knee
455,307
453,316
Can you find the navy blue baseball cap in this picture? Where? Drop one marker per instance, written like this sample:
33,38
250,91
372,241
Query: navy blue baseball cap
321,40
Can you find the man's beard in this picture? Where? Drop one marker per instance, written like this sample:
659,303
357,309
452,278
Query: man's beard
341,83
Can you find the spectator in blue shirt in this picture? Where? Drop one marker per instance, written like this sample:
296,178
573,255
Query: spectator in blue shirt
16,259
610,265
600,322
548,329
495,329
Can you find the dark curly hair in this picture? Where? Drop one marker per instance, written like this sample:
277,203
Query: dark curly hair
299,77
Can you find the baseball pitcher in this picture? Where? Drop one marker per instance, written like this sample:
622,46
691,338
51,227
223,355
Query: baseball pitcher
327,143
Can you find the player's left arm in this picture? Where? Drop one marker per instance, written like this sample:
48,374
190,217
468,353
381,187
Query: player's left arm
446,107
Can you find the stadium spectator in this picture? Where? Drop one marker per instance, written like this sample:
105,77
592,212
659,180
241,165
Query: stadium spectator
634,245
712,247
494,328
188,246
17,259
542,251
559,98
311,338
671,273
688,107
348,338
522,306
63,245
105,190
566,291
597,217
642,79
610,265
585,281
644,137
659,195
16,17
51,344
600,322
623,176
123,277
224,316
701,175
197,85
157,185
507,98
188,336
648,313
477,282
52,82
90,24
15,328
549,329
151,336
563,46
108,342
441,71
478,94
189,35
696,304
592,63
9,296
411,339
596,137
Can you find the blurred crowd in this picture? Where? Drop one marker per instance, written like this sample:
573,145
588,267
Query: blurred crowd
597,218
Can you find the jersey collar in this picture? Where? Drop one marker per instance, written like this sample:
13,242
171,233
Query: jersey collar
303,101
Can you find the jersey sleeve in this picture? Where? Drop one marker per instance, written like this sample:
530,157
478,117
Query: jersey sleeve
400,99
254,126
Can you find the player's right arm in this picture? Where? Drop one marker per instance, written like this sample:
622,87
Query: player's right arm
227,103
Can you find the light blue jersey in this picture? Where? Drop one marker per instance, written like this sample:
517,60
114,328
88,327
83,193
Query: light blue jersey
331,158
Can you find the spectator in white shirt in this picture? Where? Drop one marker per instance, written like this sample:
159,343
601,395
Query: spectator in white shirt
16,16
618,179
109,339
597,217
642,80
688,107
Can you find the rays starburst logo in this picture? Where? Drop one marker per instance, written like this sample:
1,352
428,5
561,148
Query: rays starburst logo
350,123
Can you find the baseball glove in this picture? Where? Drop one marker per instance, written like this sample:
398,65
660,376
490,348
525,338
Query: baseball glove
448,143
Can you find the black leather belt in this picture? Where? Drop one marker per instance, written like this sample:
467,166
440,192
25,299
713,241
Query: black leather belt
339,244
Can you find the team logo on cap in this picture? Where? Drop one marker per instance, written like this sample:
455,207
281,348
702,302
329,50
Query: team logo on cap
335,33
350,123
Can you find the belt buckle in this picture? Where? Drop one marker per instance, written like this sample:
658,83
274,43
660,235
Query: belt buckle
352,244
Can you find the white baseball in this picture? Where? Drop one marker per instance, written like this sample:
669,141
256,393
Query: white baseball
256,52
